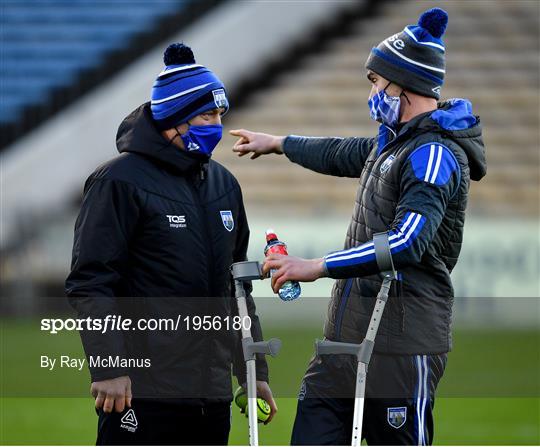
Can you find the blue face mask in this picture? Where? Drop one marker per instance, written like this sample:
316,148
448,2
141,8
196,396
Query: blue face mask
202,139
384,108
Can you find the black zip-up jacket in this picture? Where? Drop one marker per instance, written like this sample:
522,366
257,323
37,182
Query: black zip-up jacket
413,185
155,238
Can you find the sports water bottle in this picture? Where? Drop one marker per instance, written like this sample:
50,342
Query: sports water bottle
291,289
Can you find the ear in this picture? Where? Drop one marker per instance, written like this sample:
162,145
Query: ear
394,89
182,128
171,135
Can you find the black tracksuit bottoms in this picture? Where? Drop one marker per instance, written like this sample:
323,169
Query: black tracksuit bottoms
163,423
400,396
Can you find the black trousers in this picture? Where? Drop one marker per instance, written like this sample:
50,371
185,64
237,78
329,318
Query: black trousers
164,423
398,407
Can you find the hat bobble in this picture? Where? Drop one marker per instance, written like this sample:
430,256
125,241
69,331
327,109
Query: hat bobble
178,54
434,20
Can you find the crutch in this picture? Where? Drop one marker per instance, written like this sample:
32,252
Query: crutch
242,272
363,350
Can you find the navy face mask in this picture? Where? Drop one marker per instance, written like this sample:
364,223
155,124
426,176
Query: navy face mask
202,139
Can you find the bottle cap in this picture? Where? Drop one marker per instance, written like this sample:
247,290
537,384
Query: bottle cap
270,234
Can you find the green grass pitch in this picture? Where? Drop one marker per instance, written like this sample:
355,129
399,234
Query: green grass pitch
489,394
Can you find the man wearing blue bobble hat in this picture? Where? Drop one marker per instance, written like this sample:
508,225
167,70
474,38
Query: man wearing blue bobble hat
414,182
158,229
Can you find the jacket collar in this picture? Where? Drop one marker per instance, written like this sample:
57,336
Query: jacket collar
138,134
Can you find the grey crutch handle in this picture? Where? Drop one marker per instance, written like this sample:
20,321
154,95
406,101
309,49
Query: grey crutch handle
246,271
269,347
362,351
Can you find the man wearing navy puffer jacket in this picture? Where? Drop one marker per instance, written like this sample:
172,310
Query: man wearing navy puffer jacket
159,227
414,182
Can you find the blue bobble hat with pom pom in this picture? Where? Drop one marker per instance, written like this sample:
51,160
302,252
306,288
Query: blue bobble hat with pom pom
184,89
415,57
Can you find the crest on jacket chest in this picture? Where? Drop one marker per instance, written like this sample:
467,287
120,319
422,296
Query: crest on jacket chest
227,219
385,166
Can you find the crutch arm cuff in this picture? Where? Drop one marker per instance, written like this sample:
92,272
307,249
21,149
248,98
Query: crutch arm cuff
383,255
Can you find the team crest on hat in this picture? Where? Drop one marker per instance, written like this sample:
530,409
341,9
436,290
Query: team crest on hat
396,416
220,98
227,219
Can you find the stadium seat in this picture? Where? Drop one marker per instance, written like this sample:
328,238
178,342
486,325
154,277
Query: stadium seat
48,44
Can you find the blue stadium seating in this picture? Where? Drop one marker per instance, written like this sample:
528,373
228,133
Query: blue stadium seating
47,44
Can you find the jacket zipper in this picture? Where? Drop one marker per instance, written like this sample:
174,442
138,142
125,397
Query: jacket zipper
380,150
397,138
209,255
342,305
206,229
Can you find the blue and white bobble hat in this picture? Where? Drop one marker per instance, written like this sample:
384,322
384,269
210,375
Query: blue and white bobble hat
184,89
414,58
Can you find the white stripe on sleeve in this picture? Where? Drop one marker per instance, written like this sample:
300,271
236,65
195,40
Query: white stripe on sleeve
430,162
437,165
401,236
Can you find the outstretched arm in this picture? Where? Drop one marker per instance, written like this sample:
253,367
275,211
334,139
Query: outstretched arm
430,178
341,157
